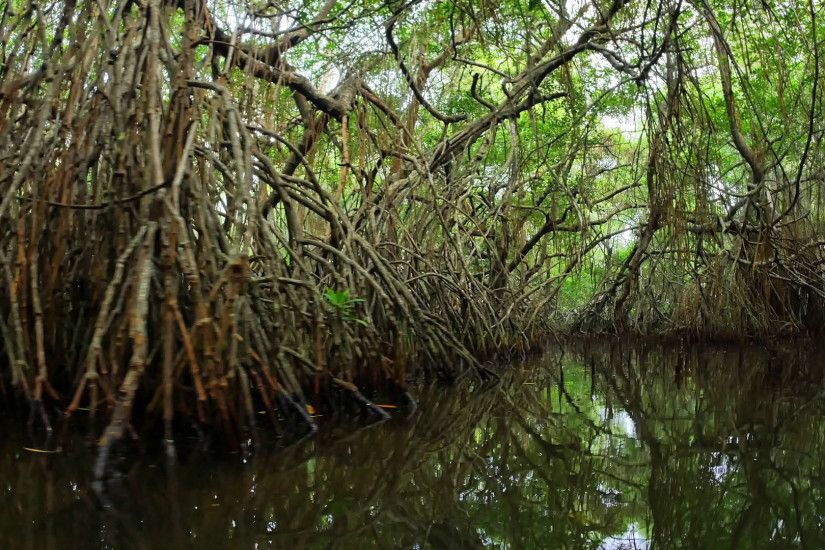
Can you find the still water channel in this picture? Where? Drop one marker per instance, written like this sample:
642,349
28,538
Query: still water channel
597,446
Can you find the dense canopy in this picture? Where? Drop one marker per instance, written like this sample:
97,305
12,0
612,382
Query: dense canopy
218,207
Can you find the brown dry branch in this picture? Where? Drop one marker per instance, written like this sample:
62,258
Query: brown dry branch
197,227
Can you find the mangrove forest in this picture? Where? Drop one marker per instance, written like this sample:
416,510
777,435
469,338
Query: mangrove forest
449,237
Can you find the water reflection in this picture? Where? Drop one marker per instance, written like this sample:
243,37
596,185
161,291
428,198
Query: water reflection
596,447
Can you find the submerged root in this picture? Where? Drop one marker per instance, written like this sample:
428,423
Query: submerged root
192,232
368,406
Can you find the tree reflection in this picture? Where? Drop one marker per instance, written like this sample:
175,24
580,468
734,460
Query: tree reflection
598,447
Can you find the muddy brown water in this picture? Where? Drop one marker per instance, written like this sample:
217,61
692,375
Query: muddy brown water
595,446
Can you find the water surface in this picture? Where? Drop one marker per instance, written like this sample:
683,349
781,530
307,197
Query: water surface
597,446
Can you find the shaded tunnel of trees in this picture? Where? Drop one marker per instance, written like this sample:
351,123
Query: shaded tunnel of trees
211,208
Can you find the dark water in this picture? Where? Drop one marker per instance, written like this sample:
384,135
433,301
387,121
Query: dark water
596,447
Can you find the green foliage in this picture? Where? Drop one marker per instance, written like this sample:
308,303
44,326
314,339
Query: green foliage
345,305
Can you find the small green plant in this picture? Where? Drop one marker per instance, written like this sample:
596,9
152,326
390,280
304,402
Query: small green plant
345,304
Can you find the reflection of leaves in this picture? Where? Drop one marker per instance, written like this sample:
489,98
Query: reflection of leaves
514,470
